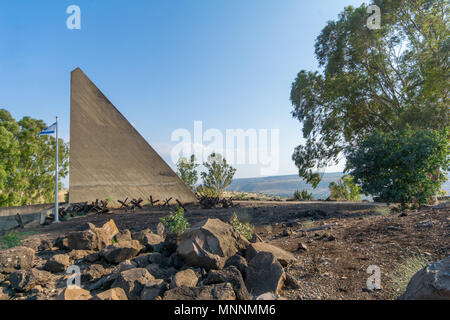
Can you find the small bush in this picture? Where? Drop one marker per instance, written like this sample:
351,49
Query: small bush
345,189
244,228
303,195
176,222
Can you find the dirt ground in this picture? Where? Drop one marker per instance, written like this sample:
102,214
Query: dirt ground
332,263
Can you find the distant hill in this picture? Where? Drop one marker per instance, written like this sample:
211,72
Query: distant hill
285,186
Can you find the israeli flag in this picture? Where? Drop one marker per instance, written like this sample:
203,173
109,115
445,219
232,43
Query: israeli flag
49,130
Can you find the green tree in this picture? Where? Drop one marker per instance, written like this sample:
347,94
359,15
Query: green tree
404,167
345,189
373,79
187,172
219,174
27,161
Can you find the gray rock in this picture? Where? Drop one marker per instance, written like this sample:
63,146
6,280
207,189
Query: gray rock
123,236
153,289
57,263
24,281
149,240
17,258
239,262
232,275
187,278
159,272
142,260
93,273
119,252
284,257
133,281
93,238
210,243
222,291
430,283
264,274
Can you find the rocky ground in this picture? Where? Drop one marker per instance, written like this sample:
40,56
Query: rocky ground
300,250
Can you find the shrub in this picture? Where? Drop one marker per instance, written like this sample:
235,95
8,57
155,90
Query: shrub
244,228
303,195
13,238
345,189
176,222
219,174
401,167
209,192
186,171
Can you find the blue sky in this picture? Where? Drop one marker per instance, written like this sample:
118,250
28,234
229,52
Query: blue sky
166,64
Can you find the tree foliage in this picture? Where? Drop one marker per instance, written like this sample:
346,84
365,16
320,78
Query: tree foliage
219,174
27,161
187,171
345,189
373,79
406,166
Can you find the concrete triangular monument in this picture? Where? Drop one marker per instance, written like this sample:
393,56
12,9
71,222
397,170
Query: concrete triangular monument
109,158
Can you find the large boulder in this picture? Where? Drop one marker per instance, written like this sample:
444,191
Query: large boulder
74,293
26,280
186,278
119,252
57,263
92,238
222,291
264,274
232,275
133,281
239,262
210,243
430,283
111,294
17,258
283,257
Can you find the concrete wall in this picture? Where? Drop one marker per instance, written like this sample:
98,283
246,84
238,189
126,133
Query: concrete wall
109,158
31,215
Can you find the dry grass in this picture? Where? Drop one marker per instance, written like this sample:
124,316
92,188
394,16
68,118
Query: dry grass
404,271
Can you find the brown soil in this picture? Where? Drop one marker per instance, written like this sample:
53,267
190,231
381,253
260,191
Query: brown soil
330,268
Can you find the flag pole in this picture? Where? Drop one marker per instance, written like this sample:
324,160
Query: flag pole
56,177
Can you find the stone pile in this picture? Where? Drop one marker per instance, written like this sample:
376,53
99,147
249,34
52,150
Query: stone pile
211,260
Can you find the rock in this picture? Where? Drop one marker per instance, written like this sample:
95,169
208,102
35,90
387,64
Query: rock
94,272
142,260
175,260
74,293
239,262
425,224
133,281
159,272
158,258
171,242
222,291
286,233
32,243
302,247
119,252
93,238
125,265
186,278
57,263
269,296
111,294
5,293
153,289
80,254
430,283
123,236
291,282
45,245
23,281
160,229
210,243
149,240
62,243
232,275
264,274
284,257
17,258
